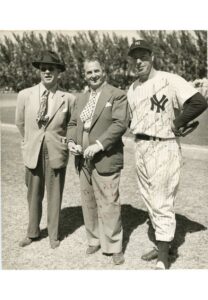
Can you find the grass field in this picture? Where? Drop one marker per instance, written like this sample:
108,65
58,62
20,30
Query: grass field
191,240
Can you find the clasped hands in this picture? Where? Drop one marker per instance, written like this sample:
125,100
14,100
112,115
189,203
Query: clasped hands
89,152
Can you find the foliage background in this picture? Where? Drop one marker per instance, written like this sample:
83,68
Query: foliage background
182,52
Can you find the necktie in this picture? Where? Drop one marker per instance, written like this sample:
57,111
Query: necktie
89,108
43,108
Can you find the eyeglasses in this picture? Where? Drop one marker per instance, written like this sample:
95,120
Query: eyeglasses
47,68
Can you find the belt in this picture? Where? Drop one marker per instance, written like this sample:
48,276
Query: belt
148,138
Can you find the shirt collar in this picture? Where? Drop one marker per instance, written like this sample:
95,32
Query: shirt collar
152,73
43,89
138,82
98,90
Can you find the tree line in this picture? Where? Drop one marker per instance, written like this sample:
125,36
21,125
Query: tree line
181,52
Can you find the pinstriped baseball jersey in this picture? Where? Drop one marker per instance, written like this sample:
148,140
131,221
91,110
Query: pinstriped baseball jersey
156,102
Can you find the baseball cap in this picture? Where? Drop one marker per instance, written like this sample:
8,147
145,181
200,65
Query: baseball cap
139,44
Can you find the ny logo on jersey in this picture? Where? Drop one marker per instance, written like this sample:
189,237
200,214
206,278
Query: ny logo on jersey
159,104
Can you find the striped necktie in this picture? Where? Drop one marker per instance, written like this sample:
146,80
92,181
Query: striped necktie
89,108
41,117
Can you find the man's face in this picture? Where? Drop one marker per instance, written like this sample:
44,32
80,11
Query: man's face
142,60
49,75
94,75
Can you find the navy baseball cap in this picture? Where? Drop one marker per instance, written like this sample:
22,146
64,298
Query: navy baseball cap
139,44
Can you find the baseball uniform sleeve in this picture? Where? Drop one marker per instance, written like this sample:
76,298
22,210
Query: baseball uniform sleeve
183,90
192,108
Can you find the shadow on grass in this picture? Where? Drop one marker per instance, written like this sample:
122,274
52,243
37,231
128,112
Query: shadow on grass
131,219
183,226
71,219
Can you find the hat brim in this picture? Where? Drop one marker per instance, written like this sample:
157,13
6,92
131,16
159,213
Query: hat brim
37,64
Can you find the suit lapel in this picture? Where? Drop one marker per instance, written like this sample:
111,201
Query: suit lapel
102,100
84,99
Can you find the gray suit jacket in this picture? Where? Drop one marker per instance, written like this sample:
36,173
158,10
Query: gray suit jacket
109,123
28,102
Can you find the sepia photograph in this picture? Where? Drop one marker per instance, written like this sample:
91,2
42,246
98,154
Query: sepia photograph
104,150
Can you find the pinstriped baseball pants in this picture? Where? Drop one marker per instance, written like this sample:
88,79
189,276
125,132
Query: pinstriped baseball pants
158,170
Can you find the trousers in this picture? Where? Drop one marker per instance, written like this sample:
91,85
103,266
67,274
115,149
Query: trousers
36,181
101,206
158,166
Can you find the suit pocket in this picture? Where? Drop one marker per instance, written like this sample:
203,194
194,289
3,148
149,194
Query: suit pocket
65,110
61,118
107,113
58,154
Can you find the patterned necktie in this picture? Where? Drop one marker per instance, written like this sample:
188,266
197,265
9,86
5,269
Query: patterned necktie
41,117
89,108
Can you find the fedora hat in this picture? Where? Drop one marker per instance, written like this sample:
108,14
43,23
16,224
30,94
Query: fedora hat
139,44
49,57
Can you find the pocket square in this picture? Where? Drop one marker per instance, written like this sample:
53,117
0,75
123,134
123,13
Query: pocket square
64,110
108,104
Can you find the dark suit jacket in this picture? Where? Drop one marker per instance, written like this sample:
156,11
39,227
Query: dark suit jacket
28,102
109,123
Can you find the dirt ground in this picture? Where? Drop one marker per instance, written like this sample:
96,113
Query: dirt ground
191,240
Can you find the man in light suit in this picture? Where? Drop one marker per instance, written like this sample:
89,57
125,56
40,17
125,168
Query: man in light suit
42,115
95,130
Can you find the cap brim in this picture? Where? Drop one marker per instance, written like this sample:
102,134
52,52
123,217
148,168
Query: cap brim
139,48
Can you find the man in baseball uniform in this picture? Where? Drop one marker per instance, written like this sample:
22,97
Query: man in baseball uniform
161,104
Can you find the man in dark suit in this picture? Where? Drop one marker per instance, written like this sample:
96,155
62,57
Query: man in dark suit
42,115
95,134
